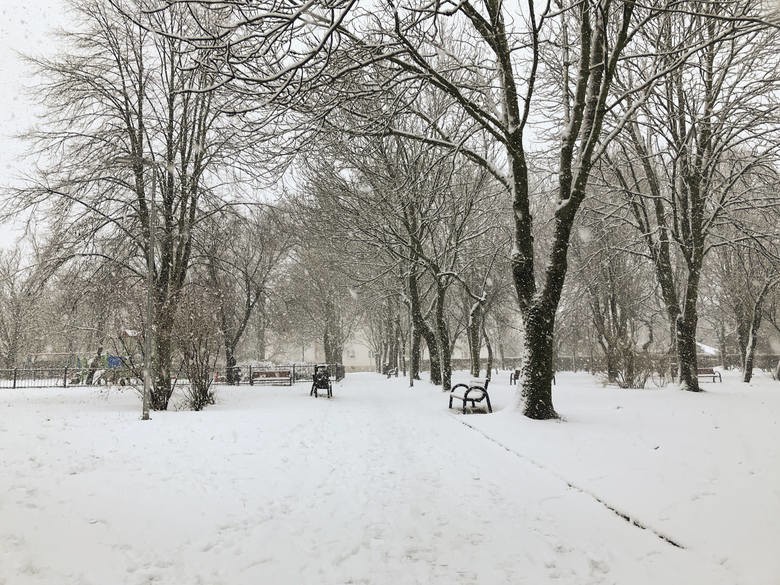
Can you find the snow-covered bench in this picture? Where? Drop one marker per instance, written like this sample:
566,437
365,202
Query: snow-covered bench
708,373
273,377
322,384
471,393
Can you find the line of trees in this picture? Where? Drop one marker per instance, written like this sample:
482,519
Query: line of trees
443,172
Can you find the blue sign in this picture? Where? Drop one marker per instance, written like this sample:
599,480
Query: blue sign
114,361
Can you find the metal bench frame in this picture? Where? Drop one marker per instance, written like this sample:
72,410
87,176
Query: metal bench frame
473,392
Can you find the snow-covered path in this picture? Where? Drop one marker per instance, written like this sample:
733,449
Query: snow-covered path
380,485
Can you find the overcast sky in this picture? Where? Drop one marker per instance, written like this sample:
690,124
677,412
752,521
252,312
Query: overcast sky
25,27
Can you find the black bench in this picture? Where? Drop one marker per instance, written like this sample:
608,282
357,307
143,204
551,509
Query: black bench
708,373
473,392
322,383
515,376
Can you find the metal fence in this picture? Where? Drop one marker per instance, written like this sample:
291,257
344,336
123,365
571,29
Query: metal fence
52,377
34,378
39,377
274,374
64,377
662,362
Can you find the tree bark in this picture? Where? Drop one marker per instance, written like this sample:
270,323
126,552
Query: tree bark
722,348
230,363
162,389
262,340
489,347
414,361
443,338
537,365
755,324
474,328
686,352
421,326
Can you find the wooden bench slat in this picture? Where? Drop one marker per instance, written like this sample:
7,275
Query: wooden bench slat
708,373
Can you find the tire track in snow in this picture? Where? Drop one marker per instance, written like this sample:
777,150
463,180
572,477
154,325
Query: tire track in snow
624,515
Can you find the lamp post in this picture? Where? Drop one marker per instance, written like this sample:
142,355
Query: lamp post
148,362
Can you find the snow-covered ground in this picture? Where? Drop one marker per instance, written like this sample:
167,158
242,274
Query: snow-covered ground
383,485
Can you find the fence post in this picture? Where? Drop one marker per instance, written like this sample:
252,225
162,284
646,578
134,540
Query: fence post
14,385
293,374
65,378
251,381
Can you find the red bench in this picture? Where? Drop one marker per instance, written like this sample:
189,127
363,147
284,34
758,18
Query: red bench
708,373
272,377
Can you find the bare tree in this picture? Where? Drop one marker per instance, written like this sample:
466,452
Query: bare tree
130,113
20,294
690,147
620,293
487,73
423,210
242,255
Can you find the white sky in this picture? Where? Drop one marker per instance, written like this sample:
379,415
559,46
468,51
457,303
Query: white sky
25,27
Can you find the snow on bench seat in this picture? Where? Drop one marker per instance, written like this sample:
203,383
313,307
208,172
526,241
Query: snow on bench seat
471,393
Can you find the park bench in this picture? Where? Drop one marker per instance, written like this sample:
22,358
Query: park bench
708,373
222,377
272,377
515,376
473,392
320,384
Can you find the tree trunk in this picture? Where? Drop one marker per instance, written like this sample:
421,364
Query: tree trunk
443,340
230,363
332,338
686,353
433,356
414,362
162,389
629,367
404,358
333,348
747,372
537,367
489,367
743,335
262,342
474,328
722,345
421,326
686,328
394,332
613,363
755,324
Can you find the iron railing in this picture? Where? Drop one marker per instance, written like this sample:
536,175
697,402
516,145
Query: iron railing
64,377
281,375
